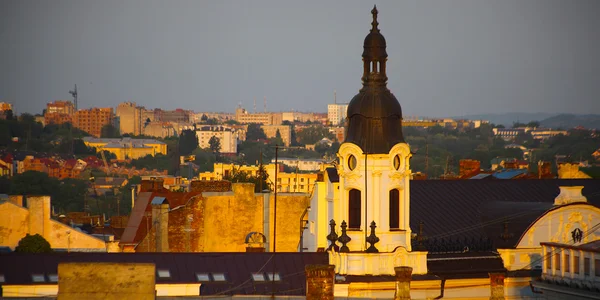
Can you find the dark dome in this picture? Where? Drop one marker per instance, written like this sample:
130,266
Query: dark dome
374,46
374,121
374,115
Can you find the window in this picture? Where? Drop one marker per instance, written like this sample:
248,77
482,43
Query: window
38,278
53,277
567,263
576,264
163,273
270,276
258,276
202,277
219,277
597,265
351,162
354,209
2,279
549,260
586,266
557,261
394,209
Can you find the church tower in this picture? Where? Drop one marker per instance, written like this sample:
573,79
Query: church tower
373,167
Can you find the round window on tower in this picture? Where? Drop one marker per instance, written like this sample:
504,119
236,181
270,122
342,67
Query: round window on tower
351,162
396,162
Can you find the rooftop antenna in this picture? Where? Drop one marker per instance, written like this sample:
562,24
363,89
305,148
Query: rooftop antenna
74,94
254,104
265,104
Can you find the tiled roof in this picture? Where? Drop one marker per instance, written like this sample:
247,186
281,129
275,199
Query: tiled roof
184,267
457,209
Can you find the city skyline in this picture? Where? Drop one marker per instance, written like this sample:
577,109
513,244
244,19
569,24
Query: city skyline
445,59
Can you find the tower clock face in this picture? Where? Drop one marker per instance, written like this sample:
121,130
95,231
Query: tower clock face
396,162
351,162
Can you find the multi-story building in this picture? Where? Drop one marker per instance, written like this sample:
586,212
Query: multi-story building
226,136
220,116
284,130
59,112
92,120
336,113
127,148
178,115
130,118
158,129
286,182
242,116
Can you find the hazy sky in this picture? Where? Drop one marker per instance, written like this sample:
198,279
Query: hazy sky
445,57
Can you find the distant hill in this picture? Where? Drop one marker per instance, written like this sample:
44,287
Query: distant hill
507,119
566,121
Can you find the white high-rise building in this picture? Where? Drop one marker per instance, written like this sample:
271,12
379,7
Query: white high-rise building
336,113
227,137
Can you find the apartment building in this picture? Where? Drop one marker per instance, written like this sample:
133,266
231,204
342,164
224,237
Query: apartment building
226,136
130,118
243,116
284,130
336,113
59,112
92,120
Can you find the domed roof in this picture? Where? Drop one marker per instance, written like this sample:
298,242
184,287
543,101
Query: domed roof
374,45
374,115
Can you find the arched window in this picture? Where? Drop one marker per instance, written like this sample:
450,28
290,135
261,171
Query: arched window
394,209
354,209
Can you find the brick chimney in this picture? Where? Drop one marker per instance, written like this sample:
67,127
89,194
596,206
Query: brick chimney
403,277
160,222
319,282
39,215
496,286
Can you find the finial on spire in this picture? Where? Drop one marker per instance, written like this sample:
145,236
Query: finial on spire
375,23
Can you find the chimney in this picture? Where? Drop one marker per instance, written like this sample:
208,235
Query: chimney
403,277
39,215
16,200
160,222
569,194
496,286
319,282
544,169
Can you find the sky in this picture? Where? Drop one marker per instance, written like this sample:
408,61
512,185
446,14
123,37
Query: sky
445,58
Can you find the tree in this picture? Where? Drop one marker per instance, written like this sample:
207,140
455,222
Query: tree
204,118
534,124
33,244
255,133
109,131
79,148
277,140
313,134
188,142
215,144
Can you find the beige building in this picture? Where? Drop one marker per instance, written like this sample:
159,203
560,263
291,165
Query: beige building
244,117
286,182
226,136
284,130
127,148
158,129
18,221
130,118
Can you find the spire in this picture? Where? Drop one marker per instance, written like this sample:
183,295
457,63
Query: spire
374,23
